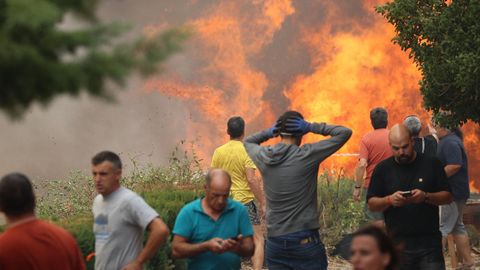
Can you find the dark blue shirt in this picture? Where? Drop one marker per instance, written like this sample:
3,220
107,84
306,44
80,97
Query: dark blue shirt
452,152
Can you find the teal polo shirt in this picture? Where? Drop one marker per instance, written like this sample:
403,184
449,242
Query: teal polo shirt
193,224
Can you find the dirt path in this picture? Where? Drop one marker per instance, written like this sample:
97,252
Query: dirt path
340,264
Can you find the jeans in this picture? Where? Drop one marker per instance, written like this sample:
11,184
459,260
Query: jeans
296,251
423,256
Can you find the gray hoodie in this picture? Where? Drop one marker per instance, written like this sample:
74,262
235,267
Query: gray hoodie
290,177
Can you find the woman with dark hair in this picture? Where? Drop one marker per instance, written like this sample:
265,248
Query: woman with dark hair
371,249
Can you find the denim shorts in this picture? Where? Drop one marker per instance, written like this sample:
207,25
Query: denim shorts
253,213
296,251
451,218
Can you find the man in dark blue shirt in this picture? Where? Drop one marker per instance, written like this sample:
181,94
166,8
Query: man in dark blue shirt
454,159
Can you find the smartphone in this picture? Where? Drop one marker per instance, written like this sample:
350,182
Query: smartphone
234,238
407,194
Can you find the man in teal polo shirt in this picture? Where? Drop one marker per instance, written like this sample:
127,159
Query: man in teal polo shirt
215,231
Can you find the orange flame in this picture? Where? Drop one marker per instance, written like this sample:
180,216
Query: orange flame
351,67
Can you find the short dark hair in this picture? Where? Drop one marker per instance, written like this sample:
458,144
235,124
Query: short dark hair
282,121
235,127
208,176
16,195
379,117
107,156
385,244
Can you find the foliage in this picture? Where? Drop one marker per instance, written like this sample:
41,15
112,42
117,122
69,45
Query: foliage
39,60
184,169
443,39
339,213
67,198
60,199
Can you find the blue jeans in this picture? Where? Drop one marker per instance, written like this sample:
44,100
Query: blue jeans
296,251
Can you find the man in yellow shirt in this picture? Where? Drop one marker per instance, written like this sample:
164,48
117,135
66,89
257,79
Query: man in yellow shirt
233,158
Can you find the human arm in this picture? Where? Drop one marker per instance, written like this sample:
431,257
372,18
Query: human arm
140,214
158,233
325,148
380,204
256,186
181,248
243,246
359,173
452,169
453,155
379,197
252,142
435,198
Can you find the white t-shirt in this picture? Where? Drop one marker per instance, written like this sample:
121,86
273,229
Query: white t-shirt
120,220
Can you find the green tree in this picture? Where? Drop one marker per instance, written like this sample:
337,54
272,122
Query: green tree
443,38
39,60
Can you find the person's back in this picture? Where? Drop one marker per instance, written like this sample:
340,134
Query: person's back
37,244
29,243
375,148
290,173
233,158
425,145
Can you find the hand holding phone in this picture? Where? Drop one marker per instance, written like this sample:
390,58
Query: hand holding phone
407,194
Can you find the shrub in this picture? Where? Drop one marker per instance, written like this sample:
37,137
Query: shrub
339,213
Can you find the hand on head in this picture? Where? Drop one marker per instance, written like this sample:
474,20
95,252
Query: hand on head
297,126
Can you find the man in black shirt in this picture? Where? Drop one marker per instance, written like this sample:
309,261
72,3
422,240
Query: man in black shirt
408,187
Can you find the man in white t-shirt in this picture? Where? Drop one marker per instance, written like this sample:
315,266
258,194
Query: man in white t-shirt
120,218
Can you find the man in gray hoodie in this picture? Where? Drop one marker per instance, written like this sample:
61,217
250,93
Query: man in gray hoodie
290,173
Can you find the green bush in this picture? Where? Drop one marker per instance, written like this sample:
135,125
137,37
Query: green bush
339,213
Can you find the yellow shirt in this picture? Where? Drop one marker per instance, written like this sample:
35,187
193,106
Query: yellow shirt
233,158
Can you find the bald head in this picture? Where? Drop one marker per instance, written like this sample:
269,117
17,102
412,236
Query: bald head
217,189
402,144
399,132
218,177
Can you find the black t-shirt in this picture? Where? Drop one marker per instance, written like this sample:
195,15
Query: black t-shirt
411,220
426,145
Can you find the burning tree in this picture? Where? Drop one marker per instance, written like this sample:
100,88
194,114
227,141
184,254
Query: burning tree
39,60
443,38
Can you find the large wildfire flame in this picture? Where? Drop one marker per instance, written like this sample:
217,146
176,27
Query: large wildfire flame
331,60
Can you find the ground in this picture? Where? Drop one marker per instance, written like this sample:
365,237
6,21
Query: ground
340,264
